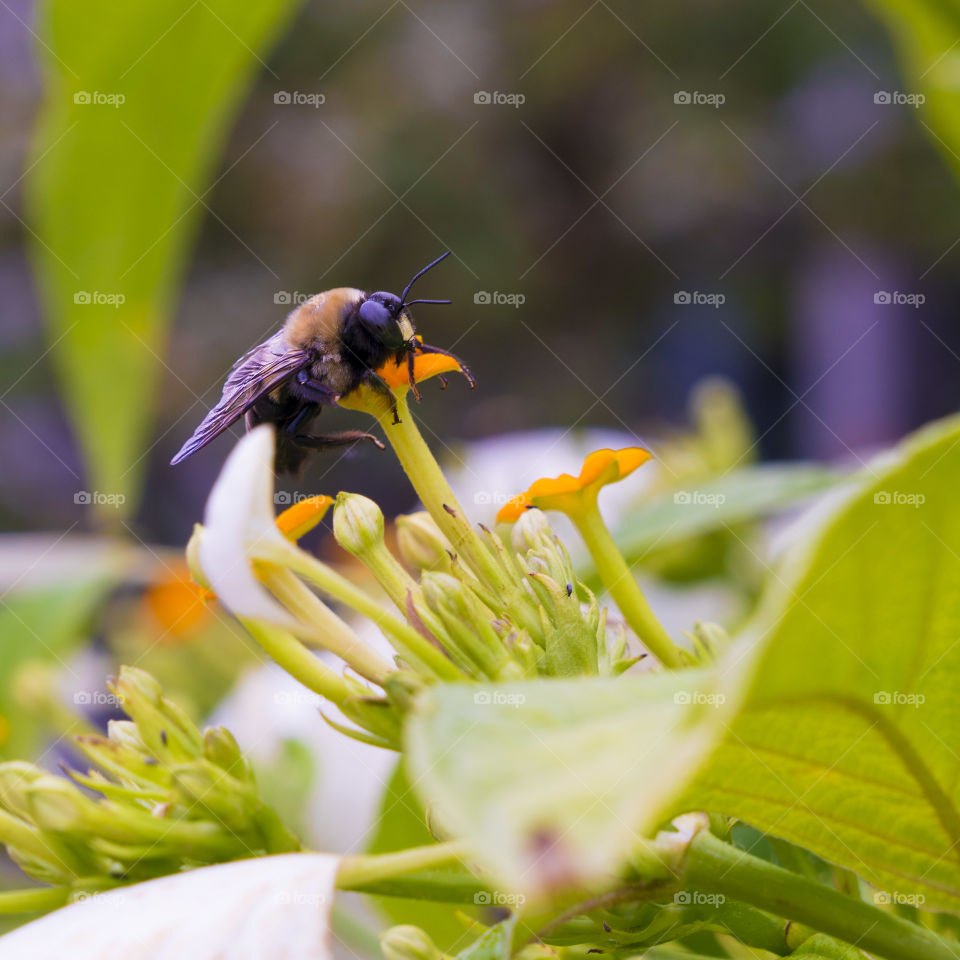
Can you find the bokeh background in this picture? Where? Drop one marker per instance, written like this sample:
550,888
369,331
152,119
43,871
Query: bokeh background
600,200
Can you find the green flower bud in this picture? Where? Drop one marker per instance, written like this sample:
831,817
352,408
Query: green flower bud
225,798
56,805
724,432
163,727
193,557
531,531
220,747
467,624
408,943
421,544
357,523
125,732
15,777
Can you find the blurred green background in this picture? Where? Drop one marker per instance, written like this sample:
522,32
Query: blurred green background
207,202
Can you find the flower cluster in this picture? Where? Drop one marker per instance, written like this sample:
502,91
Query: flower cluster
169,796
468,605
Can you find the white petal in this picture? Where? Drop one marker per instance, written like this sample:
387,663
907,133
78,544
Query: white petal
239,518
277,907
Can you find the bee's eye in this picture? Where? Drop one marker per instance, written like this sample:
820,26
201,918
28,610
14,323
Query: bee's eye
375,316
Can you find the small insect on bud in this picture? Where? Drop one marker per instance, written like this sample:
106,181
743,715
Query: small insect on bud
422,545
408,943
357,523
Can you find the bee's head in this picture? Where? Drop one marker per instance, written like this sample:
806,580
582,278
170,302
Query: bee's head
386,321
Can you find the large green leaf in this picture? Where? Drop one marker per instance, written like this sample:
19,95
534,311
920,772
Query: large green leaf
844,741
745,494
115,191
848,740
553,781
924,33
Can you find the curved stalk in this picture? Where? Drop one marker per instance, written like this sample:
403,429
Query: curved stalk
713,866
621,585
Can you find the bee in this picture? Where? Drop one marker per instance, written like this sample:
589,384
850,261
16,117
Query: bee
327,347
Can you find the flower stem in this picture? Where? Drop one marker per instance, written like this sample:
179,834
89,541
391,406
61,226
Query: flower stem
299,662
328,630
622,586
38,900
365,870
713,866
431,486
404,639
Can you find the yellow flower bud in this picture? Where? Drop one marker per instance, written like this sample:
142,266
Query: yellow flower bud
421,543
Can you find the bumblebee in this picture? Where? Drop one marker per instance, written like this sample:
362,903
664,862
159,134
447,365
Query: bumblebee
328,346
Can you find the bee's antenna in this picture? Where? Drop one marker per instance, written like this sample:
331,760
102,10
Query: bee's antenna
409,302
406,289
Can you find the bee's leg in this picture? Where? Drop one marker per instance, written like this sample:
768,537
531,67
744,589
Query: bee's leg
376,382
334,439
412,377
314,391
464,369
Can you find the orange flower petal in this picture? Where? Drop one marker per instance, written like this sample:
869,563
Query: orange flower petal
425,365
595,466
177,603
514,508
553,493
303,516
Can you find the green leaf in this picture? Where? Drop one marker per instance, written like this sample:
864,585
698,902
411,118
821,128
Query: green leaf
115,191
847,742
924,33
553,780
745,494
43,624
401,824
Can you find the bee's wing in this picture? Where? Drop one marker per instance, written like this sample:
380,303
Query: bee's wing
258,372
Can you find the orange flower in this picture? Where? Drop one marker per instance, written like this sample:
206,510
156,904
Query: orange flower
566,493
425,365
176,603
303,516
